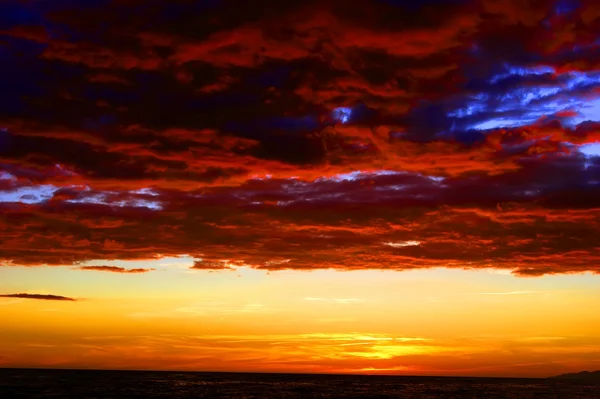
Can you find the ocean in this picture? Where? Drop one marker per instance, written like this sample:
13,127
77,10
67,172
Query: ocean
87,384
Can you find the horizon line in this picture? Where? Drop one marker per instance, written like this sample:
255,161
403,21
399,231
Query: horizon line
276,373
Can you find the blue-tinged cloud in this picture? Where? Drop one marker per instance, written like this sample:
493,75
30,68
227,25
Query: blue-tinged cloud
521,96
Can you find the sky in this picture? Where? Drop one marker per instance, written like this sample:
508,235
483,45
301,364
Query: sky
391,187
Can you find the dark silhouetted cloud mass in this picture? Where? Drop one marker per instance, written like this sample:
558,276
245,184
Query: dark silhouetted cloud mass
38,296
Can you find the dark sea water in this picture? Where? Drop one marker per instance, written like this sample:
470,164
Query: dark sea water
80,384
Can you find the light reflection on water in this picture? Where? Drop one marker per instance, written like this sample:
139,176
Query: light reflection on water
141,384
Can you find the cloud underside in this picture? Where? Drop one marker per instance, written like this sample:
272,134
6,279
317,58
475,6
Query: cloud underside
339,235
38,296
310,136
115,269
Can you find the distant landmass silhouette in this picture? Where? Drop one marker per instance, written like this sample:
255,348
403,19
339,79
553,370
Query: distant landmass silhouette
581,376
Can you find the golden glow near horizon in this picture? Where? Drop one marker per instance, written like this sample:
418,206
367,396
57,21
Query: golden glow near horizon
440,322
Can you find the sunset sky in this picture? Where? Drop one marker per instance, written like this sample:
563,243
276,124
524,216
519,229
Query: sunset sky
384,187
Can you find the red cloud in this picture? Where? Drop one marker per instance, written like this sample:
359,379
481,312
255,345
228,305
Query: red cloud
219,141
285,224
212,159
101,58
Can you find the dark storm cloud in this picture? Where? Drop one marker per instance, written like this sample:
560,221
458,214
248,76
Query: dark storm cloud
303,135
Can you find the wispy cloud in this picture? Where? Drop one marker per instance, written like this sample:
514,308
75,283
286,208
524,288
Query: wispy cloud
115,269
403,244
204,309
327,352
506,293
334,300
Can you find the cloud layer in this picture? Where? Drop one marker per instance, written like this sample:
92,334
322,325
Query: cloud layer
312,135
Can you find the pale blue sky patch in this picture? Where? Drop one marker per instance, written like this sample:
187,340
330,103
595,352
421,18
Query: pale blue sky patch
342,114
590,150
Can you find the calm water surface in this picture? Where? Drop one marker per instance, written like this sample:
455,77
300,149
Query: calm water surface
143,384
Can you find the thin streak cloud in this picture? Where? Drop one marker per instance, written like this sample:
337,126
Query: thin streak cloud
44,297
